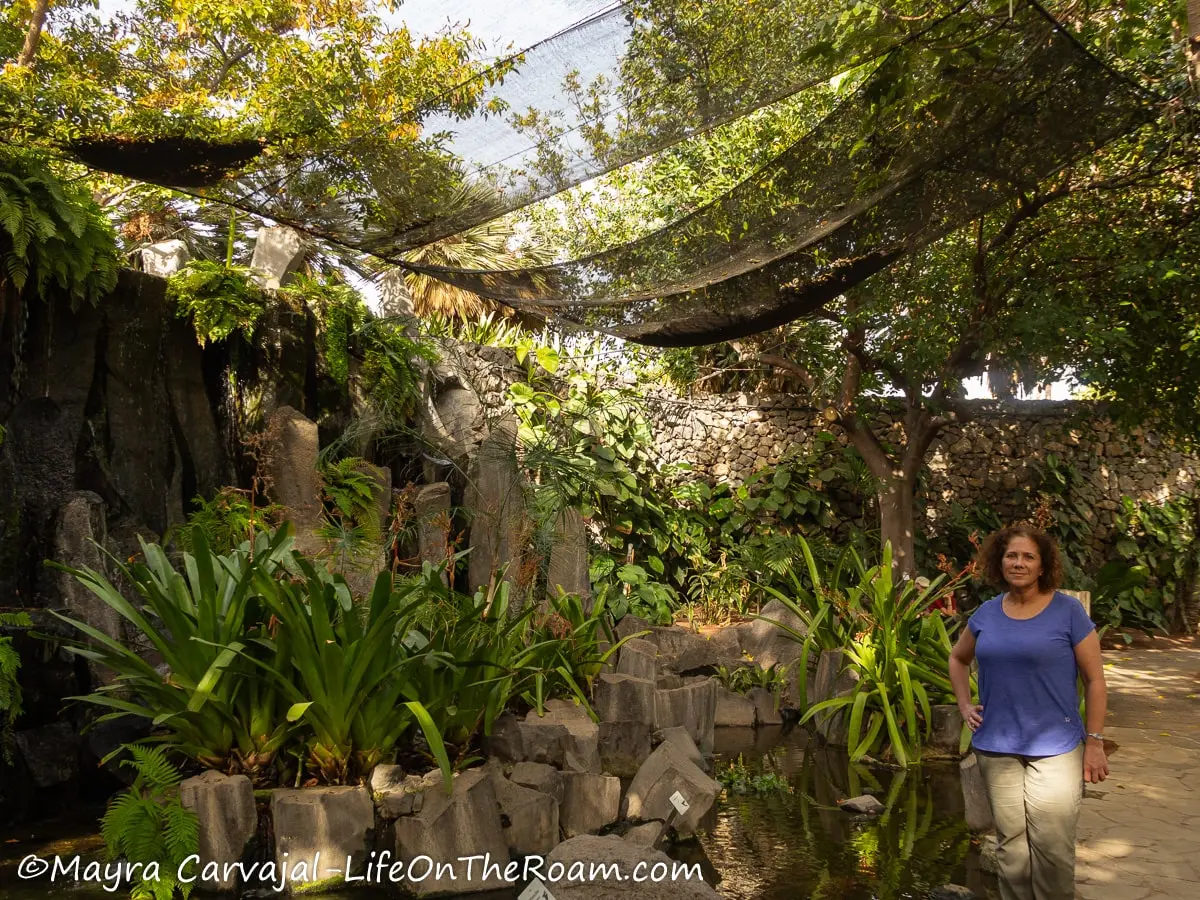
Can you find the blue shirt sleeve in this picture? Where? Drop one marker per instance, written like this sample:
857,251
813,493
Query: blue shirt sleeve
1081,626
978,618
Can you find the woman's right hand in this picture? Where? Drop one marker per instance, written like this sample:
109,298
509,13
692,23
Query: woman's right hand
972,715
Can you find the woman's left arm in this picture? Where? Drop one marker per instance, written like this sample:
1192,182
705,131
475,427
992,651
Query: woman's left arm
1091,668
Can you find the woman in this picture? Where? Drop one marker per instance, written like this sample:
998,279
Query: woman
1033,749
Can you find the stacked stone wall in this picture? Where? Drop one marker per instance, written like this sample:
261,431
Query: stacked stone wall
994,457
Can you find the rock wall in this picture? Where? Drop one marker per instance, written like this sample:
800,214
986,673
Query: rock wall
992,458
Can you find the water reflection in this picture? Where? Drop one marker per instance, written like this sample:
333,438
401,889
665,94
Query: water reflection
792,842
795,842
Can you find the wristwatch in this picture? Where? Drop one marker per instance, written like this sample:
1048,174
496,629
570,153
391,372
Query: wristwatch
1098,737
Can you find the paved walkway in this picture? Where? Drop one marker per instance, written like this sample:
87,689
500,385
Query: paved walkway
1139,832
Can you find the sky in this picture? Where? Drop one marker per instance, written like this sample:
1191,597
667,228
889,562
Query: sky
499,22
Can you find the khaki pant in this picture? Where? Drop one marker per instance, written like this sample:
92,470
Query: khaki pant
1035,802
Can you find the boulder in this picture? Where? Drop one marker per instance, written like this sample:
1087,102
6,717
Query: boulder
681,651
978,811
224,804
51,753
295,483
506,741
165,258
989,848
728,643
682,740
580,854
623,698
631,624
766,706
545,742
568,567
694,706
863,805
666,774
529,817
646,834
539,777
733,710
495,498
387,778
590,802
337,822
624,746
768,644
831,681
80,532
432,512
946,725
581,751
278,255
638,658
465,823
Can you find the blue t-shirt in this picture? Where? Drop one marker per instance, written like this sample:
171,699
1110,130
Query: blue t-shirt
1027,677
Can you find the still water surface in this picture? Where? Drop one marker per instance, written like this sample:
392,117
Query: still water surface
788,840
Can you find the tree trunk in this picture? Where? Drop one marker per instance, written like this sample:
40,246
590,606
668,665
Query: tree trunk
1193,44
896,522
34,35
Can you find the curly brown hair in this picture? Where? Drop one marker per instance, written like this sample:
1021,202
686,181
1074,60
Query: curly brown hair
991,556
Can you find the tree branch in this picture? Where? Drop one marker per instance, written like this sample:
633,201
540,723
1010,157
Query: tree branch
33,36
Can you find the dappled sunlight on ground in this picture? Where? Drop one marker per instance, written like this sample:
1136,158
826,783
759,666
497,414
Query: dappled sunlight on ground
1139,832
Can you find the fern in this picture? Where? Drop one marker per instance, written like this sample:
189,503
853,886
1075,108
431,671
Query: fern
149,824
227,520
10,688
219,299
339,311
391,373
51,236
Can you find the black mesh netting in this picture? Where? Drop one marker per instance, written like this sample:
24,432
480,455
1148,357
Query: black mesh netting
1006,98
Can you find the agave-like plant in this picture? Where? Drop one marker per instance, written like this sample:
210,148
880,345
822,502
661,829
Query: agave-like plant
199,622
900,656
346,679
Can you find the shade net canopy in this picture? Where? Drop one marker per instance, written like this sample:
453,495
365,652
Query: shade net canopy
953,112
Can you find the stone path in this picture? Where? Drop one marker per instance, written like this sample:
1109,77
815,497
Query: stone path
1139,832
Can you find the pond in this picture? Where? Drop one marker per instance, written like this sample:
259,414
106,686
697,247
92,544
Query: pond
786,839
789,838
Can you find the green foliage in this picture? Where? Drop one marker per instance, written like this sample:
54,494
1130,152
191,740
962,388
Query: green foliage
663,536
1159,547
52,233
334,665
350,496
340,313
743,679
736,778
199,620
391,375
148,825
898,649
478,655
10,688
220,299
278,671
228,519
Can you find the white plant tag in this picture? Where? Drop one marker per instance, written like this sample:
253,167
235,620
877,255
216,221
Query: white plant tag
680,803
535,890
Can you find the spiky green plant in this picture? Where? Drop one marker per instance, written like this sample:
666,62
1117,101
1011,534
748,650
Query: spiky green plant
197,621
149,825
